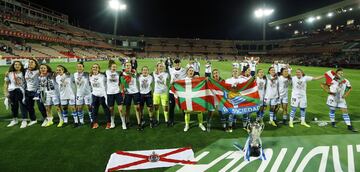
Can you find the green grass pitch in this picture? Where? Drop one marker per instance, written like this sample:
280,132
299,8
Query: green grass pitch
83,149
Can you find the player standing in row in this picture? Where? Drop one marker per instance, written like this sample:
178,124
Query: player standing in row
216,77
298,96
338,90
161,95
132,94
272,94
284,81
32,86
99,97
146,97
83,92
190,74
234,80
49,93
15,92
67,96
208,69
113,93
176,73
261,83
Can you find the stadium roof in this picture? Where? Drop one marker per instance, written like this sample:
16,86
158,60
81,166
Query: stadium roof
330,8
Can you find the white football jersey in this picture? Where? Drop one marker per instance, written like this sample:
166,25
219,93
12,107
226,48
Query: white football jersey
177,74
272,88
133,87
65,87
261,82
243,65
339,88
112,82
299,86
252,65
145,84
234,81
98,85
207,68
82,83
32,80
160,82
16,80
48,84
283,86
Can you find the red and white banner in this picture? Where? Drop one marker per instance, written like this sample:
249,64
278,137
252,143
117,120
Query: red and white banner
136,160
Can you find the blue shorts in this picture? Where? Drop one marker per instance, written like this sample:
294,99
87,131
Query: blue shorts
112,98
146,98
132,97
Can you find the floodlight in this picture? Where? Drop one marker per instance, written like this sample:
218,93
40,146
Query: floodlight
330,14
259,13
277,27
117,5
318,17
310,19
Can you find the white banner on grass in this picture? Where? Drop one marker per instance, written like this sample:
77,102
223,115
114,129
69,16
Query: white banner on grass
135,160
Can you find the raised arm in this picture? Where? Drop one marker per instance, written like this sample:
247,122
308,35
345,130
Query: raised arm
318,77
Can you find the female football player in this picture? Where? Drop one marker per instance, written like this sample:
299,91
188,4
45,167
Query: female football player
261,83
113,93
338,90
284,81
14,89
145,81
49,93
272,94
161,92
190,75
67,96
98,85
32,86
132,94
298,95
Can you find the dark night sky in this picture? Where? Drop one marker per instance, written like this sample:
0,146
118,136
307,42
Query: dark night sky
213,19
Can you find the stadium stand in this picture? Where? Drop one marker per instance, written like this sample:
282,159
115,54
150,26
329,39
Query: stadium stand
324,43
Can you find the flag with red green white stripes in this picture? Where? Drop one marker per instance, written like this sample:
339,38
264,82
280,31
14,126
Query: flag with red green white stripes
193,94
240,99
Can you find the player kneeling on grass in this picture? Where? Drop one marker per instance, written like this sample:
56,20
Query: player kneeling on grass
67,96
129,80
190,75
161,96
298,96
338,90
98,82
261,83
83,92
145,81
49,94
113,93
14,90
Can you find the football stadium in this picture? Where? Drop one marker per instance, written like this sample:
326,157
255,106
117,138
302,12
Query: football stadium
162,86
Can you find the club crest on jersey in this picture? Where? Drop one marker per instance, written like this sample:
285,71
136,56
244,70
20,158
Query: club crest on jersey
154,157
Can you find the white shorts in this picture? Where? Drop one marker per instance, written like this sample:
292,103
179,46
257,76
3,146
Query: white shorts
65,102
81,100
337,103
51,100
299,102
271,102
283,100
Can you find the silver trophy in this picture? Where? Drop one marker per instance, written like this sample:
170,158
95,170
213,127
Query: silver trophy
253,146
